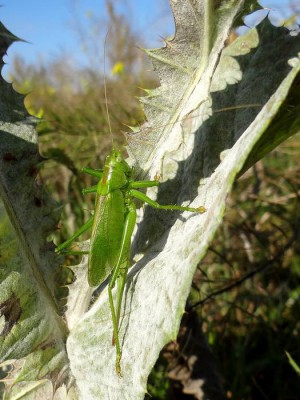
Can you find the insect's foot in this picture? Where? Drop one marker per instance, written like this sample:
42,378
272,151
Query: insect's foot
201,209
157,177
118,366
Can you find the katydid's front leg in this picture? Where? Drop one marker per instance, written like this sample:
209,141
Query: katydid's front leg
93,172
119,274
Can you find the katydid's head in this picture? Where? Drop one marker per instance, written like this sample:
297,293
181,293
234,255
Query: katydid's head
115,161
114,157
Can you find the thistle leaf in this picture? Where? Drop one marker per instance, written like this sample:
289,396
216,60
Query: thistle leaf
32,334
225,100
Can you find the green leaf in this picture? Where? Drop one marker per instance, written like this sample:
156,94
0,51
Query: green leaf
32,334
214,105
293,363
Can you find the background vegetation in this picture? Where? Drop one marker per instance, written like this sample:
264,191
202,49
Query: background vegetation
245,296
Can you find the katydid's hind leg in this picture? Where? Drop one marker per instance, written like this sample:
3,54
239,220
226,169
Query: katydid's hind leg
80,231
120,271
119,274
143,184
141,196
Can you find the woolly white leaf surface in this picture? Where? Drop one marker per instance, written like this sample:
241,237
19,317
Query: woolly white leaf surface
198,162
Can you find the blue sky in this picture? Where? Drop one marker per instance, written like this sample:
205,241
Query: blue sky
49,25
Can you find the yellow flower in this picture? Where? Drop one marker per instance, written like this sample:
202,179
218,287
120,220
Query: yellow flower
118,68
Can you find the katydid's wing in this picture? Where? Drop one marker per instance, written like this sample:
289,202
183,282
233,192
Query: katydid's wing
106,236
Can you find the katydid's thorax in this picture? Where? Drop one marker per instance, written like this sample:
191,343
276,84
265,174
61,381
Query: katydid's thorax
116,174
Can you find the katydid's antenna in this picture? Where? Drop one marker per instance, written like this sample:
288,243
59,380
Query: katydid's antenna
105,93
